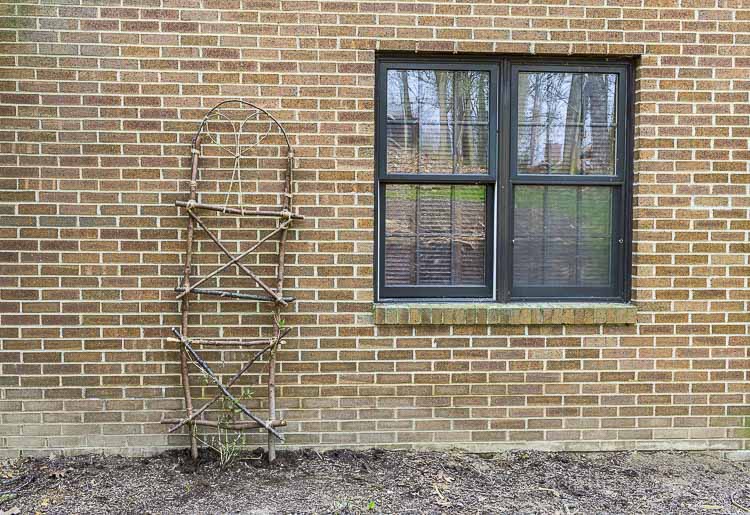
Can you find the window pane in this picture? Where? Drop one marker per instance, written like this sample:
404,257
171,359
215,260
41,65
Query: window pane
437,122
435,148
435,235
562,235
566,123
471,150
402,148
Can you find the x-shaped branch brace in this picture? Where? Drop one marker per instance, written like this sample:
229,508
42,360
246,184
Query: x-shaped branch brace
224,390
235,260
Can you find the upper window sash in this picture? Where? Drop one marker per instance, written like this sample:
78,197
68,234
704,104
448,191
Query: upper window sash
556,85
436,115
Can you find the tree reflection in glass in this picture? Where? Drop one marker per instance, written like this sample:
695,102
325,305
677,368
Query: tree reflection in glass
566,123
437,122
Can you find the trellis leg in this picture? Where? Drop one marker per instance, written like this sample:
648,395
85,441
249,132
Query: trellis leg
185,303
272,355
287,206
272,393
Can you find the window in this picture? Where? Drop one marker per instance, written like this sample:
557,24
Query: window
502,180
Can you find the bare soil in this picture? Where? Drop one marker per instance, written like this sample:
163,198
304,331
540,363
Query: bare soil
380,481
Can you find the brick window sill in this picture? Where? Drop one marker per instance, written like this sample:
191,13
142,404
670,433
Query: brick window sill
521,313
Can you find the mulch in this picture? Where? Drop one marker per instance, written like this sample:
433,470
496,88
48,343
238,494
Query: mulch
380,481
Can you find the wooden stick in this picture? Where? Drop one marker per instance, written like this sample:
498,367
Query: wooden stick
242,267
227,425
234,295
185,304
287,203
238,211
272,401
239,343
272,355
221,387
235,259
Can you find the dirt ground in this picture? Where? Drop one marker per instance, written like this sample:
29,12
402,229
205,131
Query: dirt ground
380,481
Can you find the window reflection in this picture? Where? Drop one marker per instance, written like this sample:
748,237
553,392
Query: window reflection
566,123
437,122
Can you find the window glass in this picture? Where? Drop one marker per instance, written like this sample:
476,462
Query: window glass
566,123
435,234
562,236
437,122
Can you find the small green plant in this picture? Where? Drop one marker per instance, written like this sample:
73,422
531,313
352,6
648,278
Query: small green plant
227,446
227,443
7,497
371,506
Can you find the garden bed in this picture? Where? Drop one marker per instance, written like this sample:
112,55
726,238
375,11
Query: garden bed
380,481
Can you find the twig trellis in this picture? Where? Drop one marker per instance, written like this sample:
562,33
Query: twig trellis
263,124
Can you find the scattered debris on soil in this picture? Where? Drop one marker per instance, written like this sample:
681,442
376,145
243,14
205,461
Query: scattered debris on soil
380,481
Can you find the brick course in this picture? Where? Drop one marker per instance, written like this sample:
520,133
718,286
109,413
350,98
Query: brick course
97,105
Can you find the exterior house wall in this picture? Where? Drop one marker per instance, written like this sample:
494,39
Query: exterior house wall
97,106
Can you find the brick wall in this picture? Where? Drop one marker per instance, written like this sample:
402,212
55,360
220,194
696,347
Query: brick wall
97,105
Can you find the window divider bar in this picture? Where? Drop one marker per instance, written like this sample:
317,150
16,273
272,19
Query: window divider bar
439,179
564,180
503,190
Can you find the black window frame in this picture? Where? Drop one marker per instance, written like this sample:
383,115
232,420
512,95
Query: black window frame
502,179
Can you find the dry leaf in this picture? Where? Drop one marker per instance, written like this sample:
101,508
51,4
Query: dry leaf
442,477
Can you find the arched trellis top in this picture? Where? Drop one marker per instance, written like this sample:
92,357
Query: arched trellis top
217,110
236,151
